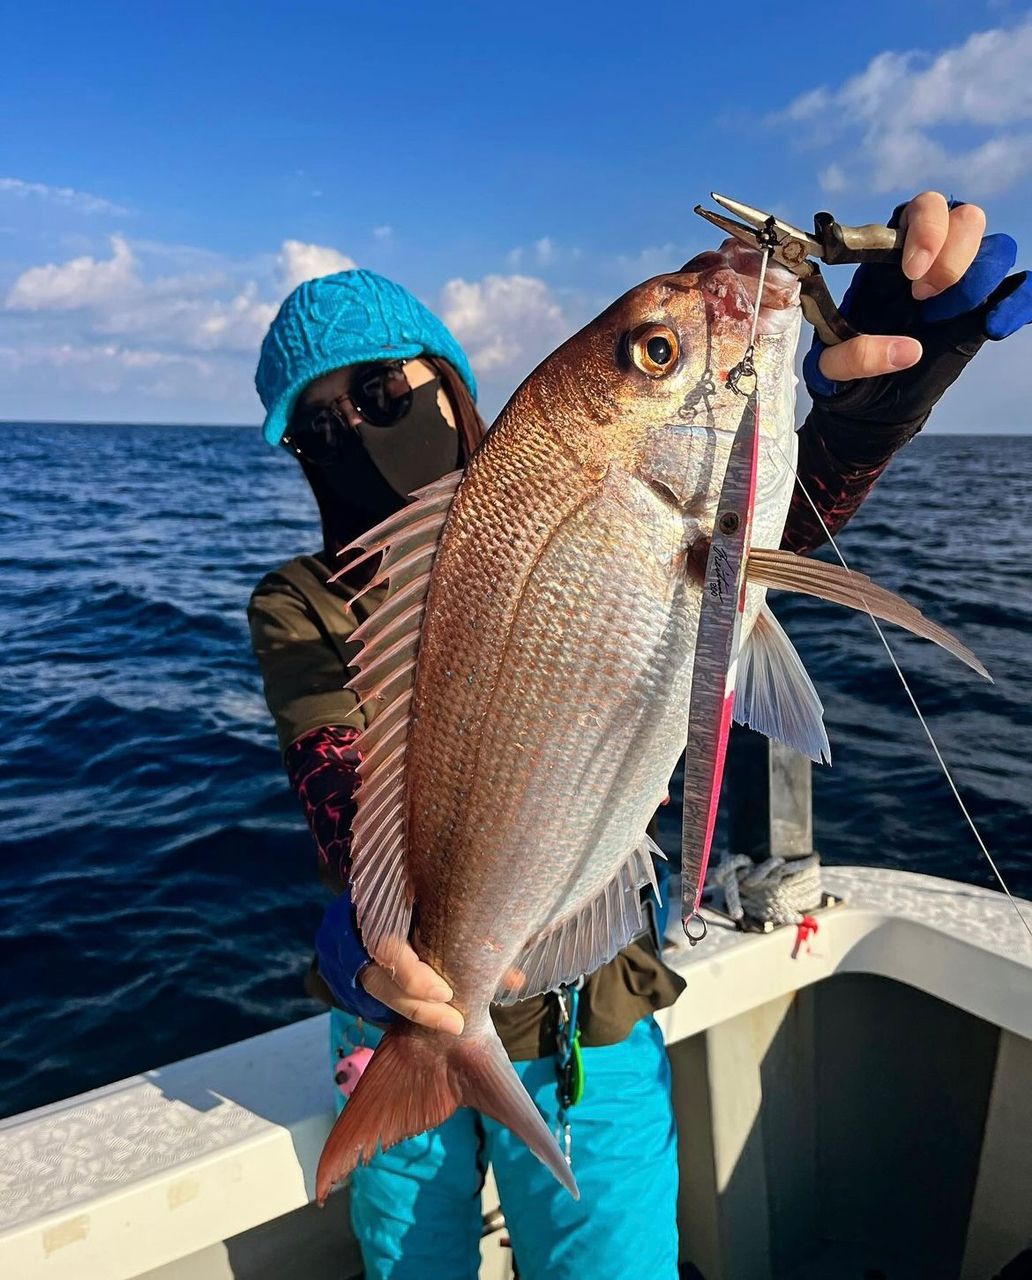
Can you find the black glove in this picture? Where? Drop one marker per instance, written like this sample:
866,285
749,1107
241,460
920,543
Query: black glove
854,428
951,327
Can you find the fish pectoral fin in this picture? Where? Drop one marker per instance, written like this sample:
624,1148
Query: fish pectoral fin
385,677
586,937
775,696
785,571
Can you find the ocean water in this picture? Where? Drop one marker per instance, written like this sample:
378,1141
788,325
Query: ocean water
157,885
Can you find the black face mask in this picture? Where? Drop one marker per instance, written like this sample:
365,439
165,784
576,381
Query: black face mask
409,441
361,474
419,448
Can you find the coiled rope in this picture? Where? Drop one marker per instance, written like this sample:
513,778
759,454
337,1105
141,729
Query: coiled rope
778,891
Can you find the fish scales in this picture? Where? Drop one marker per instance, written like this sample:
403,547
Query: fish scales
555,703
495,529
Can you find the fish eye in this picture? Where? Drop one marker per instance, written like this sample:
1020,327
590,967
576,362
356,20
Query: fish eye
654,349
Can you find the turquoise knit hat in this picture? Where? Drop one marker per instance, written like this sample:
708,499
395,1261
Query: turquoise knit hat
348,318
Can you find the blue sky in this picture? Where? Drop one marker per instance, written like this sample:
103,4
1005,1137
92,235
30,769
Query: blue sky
172,171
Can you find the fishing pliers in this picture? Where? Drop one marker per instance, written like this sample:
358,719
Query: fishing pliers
831,242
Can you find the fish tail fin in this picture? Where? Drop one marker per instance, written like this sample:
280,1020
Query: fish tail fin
415,1080
406,1089
491,1085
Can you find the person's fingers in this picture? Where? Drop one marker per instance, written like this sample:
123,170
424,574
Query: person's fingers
926,220
417,979
995,257
428,1013
966,228
868,356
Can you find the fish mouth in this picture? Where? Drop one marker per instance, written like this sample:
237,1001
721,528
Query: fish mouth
780,287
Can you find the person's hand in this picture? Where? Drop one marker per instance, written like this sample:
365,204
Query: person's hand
950,272
362,987
415,991
941,244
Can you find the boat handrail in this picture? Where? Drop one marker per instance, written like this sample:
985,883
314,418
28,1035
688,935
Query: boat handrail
124,1179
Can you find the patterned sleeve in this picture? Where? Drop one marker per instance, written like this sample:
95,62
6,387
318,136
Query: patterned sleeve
840,460
322,766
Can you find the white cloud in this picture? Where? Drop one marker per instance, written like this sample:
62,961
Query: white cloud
68,354
81,201
902,104
299,262
162,325
655,260
243,321
179,313
80,282
383,233
104,380
185,256
505,323
183,323
833,178
544,252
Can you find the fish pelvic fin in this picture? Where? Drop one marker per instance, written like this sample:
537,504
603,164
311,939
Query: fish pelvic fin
785,571
415,1080
774,694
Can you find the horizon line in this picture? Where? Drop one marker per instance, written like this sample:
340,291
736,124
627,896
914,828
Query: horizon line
257,426
108,422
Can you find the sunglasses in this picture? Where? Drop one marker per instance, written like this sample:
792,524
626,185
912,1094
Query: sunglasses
379,394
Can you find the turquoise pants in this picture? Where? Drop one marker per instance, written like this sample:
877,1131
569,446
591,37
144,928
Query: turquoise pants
415,1209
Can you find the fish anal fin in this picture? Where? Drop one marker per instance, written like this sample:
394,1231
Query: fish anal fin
775,696
785,571
586,937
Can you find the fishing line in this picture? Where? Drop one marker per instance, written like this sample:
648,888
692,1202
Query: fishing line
768,250
913,702
746,368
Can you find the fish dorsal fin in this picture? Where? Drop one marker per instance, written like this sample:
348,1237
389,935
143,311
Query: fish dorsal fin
588,936
775,696
785,571
385,675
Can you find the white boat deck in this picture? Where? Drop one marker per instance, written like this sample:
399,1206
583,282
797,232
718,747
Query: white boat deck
158,1170
919,930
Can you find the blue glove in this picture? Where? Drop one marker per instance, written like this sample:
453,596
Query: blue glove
951,327
342,958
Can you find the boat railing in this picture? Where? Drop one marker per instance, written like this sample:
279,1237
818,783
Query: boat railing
205,1168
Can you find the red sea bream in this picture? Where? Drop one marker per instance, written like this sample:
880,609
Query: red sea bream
528,678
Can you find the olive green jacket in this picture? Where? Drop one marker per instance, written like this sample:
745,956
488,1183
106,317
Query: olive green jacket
301,627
